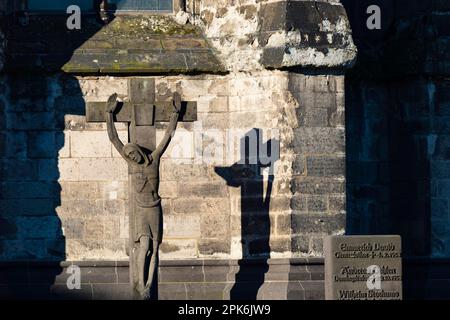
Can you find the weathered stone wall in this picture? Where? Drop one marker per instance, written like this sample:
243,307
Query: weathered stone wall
397,125
64,188
2,36
259,34
2,47
318,184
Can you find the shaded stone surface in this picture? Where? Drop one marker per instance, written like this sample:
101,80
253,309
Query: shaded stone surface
295,279
397,125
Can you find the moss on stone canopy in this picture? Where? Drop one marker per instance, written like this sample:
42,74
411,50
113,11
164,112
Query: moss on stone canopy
152,44
142,25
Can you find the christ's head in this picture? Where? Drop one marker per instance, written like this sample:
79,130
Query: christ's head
134,153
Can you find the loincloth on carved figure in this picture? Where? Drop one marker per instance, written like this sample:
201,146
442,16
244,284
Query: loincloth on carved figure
148,215
148,222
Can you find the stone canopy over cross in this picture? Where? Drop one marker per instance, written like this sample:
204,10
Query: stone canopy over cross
143,157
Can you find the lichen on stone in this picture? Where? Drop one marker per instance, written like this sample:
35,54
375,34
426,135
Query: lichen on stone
141,25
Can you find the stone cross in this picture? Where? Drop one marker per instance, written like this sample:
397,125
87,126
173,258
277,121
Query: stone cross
141,113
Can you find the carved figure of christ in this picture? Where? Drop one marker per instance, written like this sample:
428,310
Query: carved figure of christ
146,212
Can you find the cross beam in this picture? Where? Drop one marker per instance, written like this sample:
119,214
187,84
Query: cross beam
141,112
145,114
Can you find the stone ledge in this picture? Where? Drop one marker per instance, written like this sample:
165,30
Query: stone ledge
130,44
179,279
180,262
296,279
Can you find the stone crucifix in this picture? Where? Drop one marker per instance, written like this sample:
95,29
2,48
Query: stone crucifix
143,157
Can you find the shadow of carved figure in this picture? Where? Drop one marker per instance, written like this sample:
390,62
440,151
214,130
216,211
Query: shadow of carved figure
145,202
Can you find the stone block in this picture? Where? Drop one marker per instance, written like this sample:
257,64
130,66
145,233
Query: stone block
30,121
211,246
63,140
123,227
13,144
69,169
219,87
313,185
30,207
283,224
93,229
168,189
90,144
194,89
299,203
319,140
337,203
28,85
24,249
29,190
299,165
9,227
317,245
279,203
318,223
325,166
73,228
318,100
317,117
317,204
182,226
215,226
218,105
79,208
214,121
111,227
174,248
171,171
69,104
339,84
113,207
100,169
114,190
206,190
19,170
281,186
72,190
43,227
201,205
280,244
181,145
43,144
300,244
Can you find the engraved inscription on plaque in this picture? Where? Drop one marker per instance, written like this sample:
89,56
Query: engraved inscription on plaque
363,268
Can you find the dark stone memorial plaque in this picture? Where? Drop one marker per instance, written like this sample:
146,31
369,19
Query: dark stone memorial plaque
363,268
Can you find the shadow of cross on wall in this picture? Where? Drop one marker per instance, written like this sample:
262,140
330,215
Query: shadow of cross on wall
247,174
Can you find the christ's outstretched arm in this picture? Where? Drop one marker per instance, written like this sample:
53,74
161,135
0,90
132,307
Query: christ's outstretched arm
112,132
170,129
